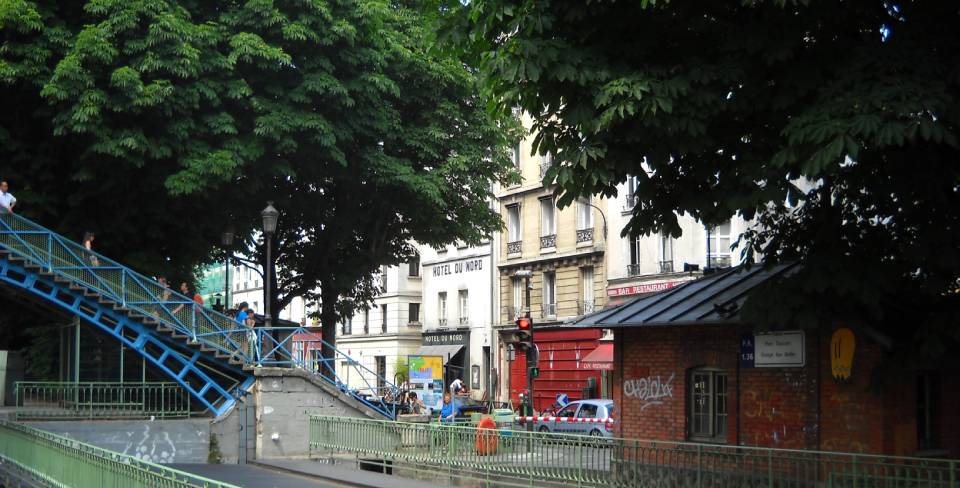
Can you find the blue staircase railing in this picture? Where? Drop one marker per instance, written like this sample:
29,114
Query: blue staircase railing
153,304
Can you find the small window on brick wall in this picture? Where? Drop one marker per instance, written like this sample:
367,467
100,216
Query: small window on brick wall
707,415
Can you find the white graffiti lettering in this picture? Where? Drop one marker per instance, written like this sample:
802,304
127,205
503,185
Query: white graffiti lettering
650,390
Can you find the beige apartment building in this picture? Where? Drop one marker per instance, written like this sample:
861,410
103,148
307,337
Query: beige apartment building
563,248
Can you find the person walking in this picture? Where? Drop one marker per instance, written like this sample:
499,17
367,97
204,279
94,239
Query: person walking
88,248
185,290
7,200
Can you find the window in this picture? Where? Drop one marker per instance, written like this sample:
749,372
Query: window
719,246
414,266
708,405
666,253
381,367
550,294
348,326
586,297
442,307
414,313
546,161
568,411
383,320
383,277
513,223
366,321
548,224
517,298
516,156
584,214
464,307
632,184
587,411
633,269
927,415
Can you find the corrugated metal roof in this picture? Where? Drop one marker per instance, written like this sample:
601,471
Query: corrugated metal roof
709,300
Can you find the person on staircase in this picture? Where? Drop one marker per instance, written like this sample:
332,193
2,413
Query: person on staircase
7,200
197,300
88,248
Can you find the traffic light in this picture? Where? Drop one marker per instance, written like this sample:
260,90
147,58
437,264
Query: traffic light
534,372
523,336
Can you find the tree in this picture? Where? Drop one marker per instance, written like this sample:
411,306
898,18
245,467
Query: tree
168,122
722,108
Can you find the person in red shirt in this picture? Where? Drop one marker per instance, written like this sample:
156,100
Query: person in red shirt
185,289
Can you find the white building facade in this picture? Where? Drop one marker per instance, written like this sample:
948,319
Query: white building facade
458,293
654,262
380,338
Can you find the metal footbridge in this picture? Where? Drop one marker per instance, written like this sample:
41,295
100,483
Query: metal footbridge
208,353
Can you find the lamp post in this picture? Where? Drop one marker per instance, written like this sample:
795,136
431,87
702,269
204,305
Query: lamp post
270,216
227,240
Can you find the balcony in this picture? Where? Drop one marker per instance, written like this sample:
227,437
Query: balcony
515,247
442,322
666,266
584,307
548,310
715,261
464,320
513,312
547,242
630,202
633,269
584,235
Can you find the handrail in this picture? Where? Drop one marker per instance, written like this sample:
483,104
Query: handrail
56,400
73,263
66,462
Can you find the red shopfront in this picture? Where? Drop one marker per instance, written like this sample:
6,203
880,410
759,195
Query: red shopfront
565,365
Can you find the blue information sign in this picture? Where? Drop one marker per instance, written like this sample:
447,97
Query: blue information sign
746,351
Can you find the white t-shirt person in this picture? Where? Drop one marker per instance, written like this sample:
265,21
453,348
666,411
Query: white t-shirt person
456,386
7,200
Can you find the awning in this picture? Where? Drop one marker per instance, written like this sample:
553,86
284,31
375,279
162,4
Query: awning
599,358
445,351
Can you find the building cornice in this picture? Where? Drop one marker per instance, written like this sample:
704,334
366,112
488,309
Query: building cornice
539,261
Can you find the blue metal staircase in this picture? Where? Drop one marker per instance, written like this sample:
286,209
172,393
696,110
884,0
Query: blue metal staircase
206,352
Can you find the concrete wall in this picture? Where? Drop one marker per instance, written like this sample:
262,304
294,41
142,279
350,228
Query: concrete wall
160,441
285,399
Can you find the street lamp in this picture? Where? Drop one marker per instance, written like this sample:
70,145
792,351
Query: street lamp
227,240
270,216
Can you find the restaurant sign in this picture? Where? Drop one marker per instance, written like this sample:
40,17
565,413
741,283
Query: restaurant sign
644,288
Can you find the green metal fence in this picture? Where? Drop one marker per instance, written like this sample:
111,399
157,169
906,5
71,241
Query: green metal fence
51,400
65,462
544,459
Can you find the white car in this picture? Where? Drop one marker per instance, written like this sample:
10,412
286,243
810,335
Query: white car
599,410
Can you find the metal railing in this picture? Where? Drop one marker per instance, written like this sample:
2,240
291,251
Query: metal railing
520,458
515,247
65,462
271,347
584,235
585,307
153,302
52,400
633,269
548,309
666,266
548,241
719,261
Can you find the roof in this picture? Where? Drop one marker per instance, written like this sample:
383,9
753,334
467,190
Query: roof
713,299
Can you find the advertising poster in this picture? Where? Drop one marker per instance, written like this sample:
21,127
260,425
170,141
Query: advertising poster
425,369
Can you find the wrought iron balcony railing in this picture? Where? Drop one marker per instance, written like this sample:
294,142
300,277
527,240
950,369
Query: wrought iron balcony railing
633,269
515,247
719,261
442,322
666,266
630,202
548,309
584,235
544,167
464,320
584,307
549,241
513,312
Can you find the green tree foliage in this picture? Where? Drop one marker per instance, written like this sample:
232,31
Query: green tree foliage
721,108
161,124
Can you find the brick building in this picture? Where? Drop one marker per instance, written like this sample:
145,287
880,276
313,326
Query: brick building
686,369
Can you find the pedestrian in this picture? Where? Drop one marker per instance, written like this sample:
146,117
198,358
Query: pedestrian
88,248
449,410
185,290
456,386
165,292
7,200
416,405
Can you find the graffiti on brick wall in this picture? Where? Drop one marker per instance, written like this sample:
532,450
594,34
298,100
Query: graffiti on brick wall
651,390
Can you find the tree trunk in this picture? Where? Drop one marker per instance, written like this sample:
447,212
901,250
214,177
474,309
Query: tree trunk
328,329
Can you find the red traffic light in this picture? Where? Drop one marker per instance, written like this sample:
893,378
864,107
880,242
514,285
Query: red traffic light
524,323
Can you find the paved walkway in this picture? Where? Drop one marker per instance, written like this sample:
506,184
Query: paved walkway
289,473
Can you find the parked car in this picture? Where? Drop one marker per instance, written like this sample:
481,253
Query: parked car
581,409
